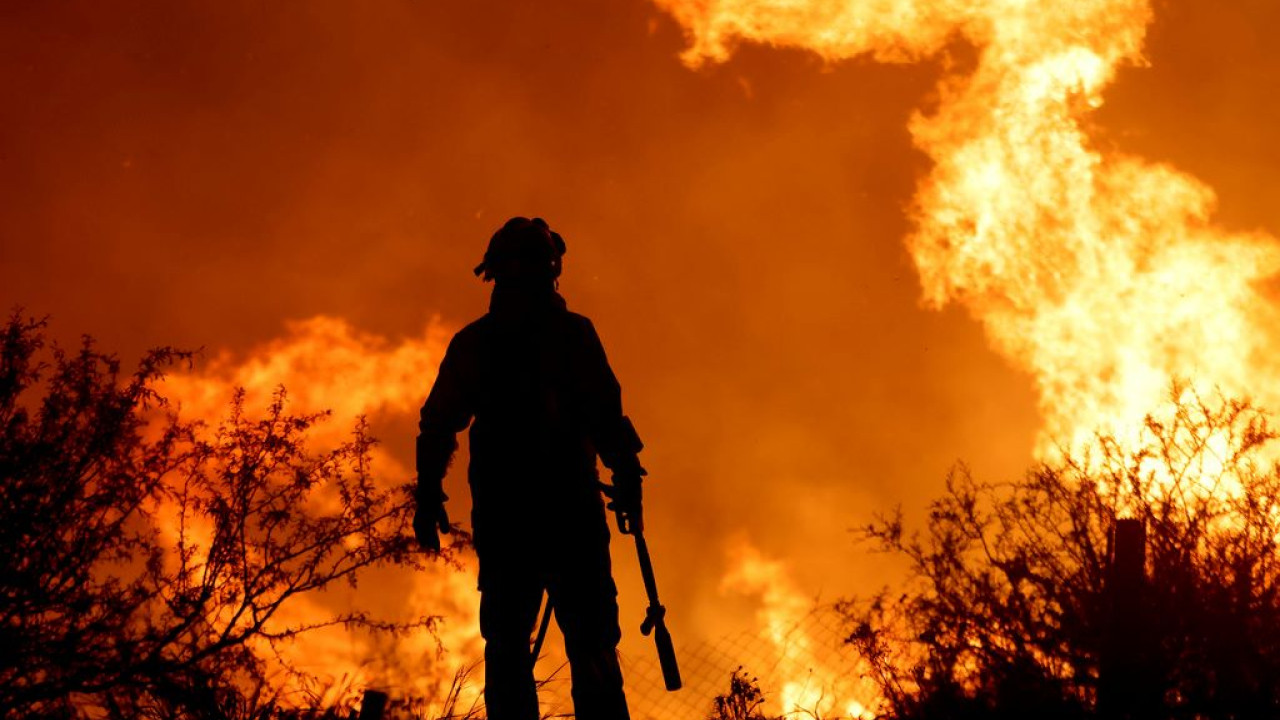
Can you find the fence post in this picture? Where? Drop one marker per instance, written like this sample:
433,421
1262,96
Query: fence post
1124,684
373,705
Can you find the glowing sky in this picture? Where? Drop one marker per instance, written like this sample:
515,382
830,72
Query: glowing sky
198,174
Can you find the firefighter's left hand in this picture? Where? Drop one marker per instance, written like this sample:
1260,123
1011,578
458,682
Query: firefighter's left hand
429,522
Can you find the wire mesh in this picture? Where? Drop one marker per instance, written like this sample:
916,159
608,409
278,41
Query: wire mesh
810,662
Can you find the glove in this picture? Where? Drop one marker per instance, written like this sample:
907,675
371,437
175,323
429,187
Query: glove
625,501
429,520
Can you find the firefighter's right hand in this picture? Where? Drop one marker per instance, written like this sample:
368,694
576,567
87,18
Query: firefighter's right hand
625,501
429,520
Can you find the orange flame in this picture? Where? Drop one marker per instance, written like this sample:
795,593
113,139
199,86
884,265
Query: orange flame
1098,273
807,680
326,364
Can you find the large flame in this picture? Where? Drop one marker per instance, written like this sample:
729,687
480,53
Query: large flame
804,677
325,364
1097,272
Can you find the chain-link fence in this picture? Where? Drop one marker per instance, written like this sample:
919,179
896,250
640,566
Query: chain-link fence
805,671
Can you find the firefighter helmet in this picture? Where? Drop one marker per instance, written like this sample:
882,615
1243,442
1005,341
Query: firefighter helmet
522,249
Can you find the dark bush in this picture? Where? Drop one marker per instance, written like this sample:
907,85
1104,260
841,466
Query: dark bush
145,557
1007,612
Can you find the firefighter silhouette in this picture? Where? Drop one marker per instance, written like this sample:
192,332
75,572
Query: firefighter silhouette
532,381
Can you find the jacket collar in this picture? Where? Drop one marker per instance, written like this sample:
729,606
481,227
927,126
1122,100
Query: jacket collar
521,301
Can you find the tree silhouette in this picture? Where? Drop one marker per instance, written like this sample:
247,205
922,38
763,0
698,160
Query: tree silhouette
146,558
1006,612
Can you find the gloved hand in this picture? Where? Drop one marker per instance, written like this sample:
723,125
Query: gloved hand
429,520
626,502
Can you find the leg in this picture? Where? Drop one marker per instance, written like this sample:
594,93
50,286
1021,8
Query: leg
508,609
586,603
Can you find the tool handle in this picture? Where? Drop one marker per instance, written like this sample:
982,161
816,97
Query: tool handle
655,618
646,569
667,657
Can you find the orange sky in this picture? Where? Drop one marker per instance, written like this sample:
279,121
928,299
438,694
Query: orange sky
198,174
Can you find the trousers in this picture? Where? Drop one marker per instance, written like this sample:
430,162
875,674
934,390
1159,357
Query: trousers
575,573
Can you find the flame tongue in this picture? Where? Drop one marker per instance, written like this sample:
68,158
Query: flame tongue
1097,273
328,364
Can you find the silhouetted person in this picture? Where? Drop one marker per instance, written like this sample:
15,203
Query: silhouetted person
532,380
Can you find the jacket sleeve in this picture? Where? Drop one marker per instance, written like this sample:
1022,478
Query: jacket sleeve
447,411
612,433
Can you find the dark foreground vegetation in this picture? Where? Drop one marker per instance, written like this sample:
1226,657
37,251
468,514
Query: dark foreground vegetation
1014,609
144,558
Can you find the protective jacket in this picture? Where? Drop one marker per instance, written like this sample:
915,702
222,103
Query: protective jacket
532,380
